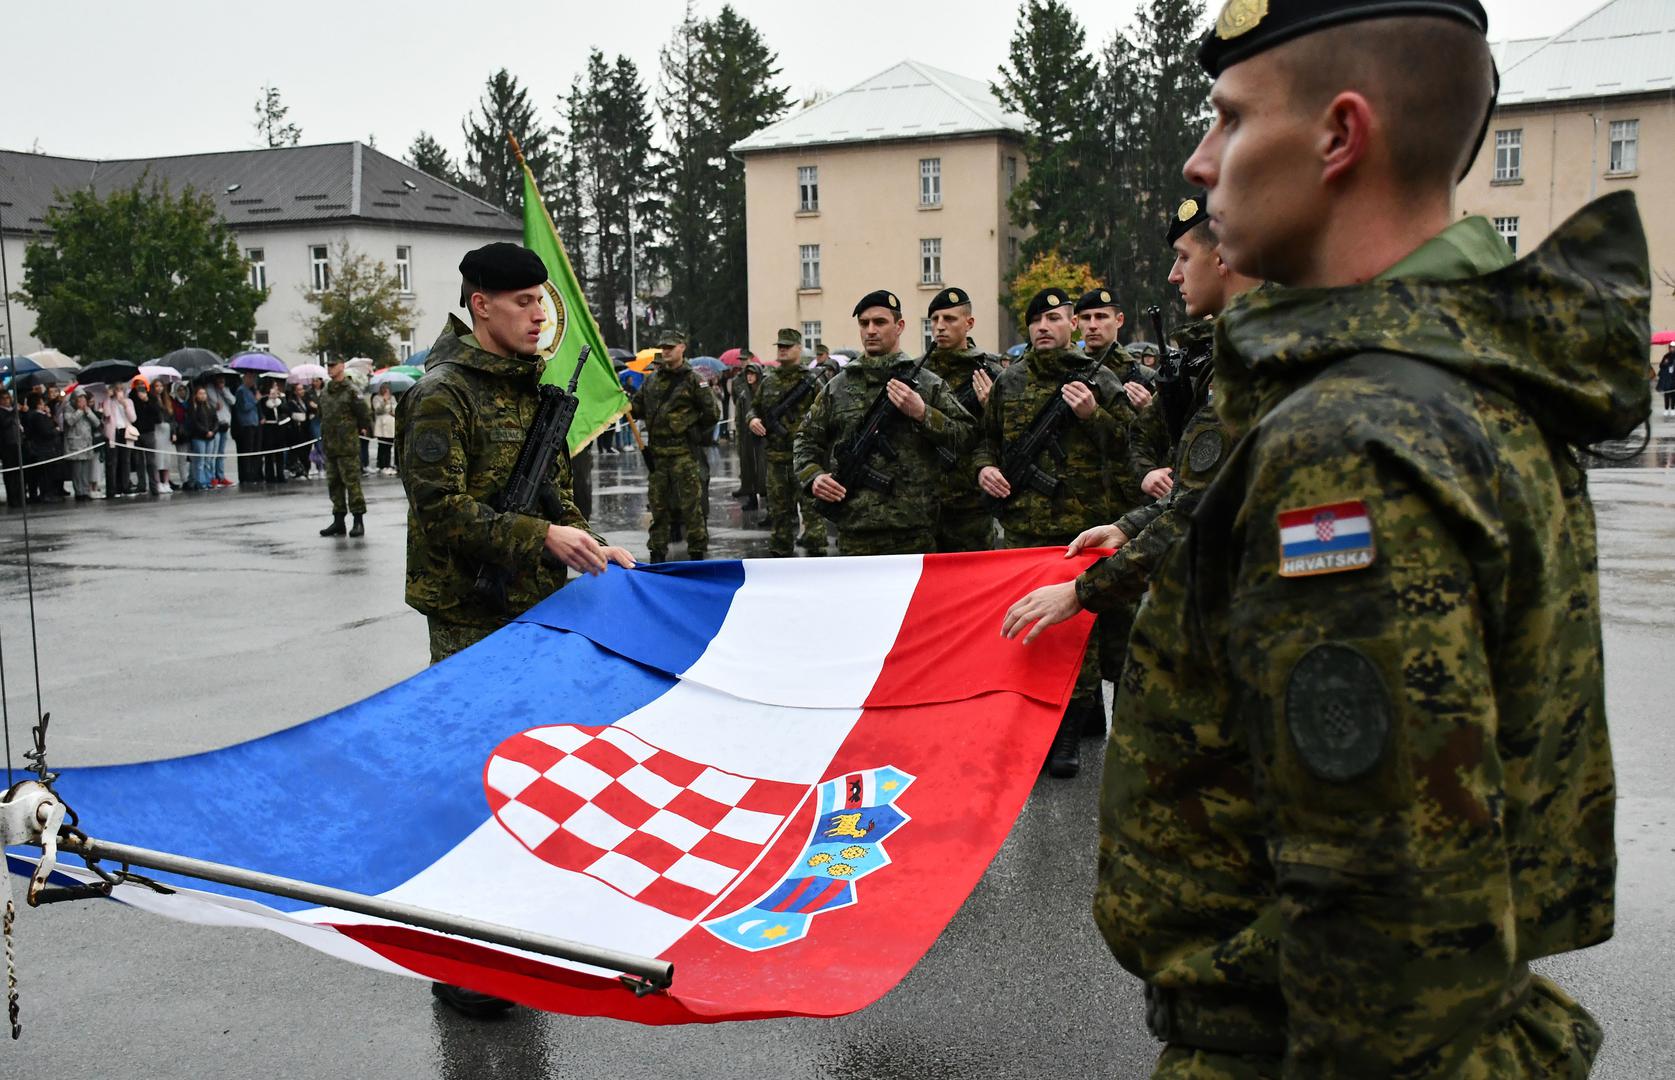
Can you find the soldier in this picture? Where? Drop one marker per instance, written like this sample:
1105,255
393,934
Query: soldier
752,455
790,380
461,427
816,536
1365,776
902,519
964,522
1092,443
344,420
679,412
1100,321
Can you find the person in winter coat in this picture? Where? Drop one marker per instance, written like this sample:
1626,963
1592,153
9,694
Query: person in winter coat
120,434
1666,381
81,431
383,427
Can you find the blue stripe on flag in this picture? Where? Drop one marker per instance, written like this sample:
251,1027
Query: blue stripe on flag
1351,542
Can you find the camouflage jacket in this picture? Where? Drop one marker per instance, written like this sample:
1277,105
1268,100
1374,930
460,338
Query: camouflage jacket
1150,446
774,388
956,368
1365,777
460,428
1093,483
344,416
839,409
678,410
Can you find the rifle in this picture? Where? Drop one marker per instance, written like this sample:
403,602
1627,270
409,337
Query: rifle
774,418
968,401
1174,388
852,470
1018,462
554,412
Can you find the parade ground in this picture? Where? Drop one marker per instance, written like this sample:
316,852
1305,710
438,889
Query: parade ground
178,625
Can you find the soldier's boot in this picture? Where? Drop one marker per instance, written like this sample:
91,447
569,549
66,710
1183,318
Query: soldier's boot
694,554
1093,719
469,1002
1064,760
750,503
359,528
658,556
335,528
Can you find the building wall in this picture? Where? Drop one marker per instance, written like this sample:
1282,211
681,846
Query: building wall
869,225
1565,163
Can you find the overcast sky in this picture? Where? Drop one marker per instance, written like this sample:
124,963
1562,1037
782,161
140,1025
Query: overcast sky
142,78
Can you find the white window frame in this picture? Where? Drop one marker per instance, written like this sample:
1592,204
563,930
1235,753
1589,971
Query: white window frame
930,181
1508,228
257,258
259,341
808,258
930,261
404,268
404,345
319,267
1011,251
928,335
1509,154
1011,172
808,189
811,335
1625,146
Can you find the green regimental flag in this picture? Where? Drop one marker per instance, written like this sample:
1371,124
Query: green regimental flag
600,397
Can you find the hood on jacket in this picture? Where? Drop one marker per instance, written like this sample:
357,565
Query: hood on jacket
458,345
1562,331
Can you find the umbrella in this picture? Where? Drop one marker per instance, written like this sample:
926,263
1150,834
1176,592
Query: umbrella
1664,337
397,381
257,361
362,364
19,365
109,371
190,361
630,379
156,371
305,373
1017,350
731,358
209,373
642,360
620,354
411,371
707,363
42,377
418,359
52,358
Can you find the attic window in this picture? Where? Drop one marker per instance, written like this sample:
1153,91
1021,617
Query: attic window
410,185
321,195
263,210
233,187
441,209
331,206
450,198
244,202
377,202
393,191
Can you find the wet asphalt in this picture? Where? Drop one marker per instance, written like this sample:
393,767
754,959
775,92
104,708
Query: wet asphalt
179,624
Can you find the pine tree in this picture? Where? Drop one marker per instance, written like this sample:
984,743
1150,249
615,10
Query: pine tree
685,229
428,156
491,168
270,120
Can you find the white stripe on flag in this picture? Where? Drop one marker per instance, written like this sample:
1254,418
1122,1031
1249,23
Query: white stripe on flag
1342,529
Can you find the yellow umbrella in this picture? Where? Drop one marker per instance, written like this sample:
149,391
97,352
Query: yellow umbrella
642,360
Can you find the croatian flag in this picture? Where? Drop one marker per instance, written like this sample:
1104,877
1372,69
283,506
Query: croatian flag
1325,539
782,776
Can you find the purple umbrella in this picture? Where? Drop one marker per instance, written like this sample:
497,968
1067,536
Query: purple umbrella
258,361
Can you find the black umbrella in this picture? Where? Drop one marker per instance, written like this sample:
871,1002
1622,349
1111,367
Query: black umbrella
109,371
208,374
43,377
191,361
620,354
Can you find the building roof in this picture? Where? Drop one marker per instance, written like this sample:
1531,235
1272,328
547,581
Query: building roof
1623,47
908,101
259,188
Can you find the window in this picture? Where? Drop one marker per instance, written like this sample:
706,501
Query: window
405,348
404,268
930,181
259,341
1011,173
928,334
257,259
1509,154
811,336
808,189
319,268
1011,251
1625,146
1508,228
930,261
810,255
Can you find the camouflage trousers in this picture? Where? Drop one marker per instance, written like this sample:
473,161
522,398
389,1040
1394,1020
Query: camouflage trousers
912,542
816,534
675,491
782,507
448,638
1549,1036
343,483
964,528
1087,693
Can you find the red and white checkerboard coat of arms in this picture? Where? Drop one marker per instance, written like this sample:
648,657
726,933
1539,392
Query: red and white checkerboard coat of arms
600,801
1325,526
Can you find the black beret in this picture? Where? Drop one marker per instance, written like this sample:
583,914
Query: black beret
1100,297
877,298
501,267
1193,211
1248,27
947,298
1045,300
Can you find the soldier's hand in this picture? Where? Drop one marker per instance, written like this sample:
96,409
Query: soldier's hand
906,400
619,556
757,427
1158,482
575,549
1138,396
1100,536
1046,606
1080,399
981,384
993,481
827,489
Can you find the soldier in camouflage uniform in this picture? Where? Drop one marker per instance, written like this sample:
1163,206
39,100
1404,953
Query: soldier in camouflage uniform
790,381
902,520
1361,776
679,413
1089,488
753,481
816,536
344,418
964,521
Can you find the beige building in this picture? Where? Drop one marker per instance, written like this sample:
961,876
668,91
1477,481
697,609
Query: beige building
897,183
1582,114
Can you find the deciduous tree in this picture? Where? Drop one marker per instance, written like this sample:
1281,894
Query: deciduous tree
271,127
359,311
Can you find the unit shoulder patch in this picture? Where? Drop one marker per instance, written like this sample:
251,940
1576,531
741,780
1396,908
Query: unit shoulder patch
1327,539
1205,450
1338,712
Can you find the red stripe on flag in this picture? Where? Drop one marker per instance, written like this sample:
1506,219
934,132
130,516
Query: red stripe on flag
832,889
1292,518
796,894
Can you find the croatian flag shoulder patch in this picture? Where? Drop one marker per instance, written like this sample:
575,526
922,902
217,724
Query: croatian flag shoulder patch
1325,539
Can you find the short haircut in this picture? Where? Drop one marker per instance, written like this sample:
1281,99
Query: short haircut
1202,235
1431,80
964,310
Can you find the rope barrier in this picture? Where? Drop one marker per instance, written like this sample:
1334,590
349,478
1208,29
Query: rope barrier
175,453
